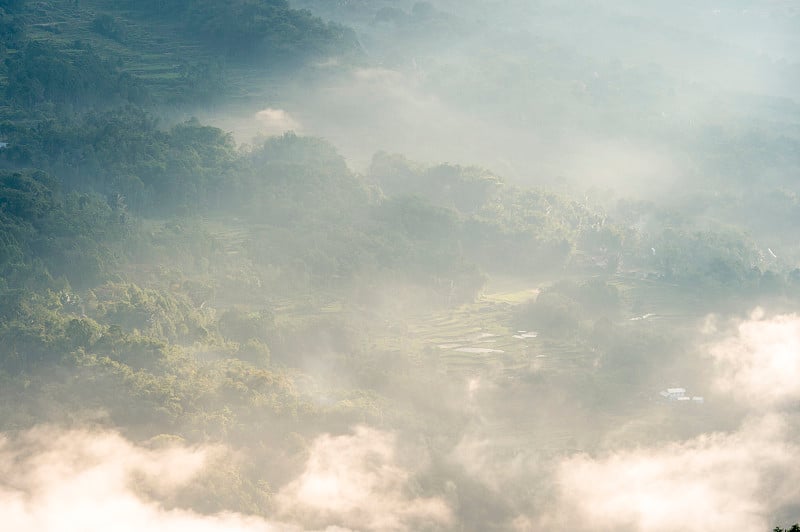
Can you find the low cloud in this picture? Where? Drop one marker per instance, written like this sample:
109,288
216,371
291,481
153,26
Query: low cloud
488,460
355,481
276,121
720,481
86,481
65,481
744,479
737,480
760,364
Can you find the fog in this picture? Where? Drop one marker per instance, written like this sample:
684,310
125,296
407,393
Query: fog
737,479
372,479
534,90
361,265
56,479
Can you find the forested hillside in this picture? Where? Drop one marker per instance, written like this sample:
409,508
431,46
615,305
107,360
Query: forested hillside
258,334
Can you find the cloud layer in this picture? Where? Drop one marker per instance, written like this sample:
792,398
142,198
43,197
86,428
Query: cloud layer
56,480
761,363
717,481
87,481
84,481
355,481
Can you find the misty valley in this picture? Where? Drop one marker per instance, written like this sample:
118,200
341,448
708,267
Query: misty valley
371,265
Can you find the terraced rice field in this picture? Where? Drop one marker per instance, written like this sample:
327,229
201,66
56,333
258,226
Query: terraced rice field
480,338
656,300
158,65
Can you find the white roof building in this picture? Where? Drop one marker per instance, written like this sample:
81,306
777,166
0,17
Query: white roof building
679,394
